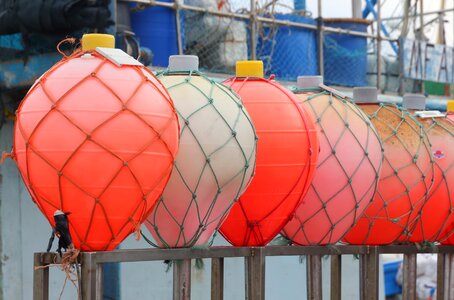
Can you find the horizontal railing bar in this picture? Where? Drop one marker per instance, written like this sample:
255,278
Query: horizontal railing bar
135,255
258,18
315,250
410,249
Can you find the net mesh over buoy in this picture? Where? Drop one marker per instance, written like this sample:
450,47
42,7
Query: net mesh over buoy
98,141
214,165
405,180
437,215
347,172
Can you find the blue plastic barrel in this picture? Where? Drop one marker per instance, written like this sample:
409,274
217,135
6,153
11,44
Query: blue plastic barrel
345,56
391,287
156,29
288,51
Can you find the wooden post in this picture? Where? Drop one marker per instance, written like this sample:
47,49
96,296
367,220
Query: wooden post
369,274
40,279
217,278
409,277
182,279
255,275
441,271
91,280
336,277
314,277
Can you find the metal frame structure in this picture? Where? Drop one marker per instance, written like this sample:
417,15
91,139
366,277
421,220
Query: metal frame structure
255,258
254,18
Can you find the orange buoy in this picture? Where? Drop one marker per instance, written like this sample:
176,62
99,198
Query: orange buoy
406,175
287,153
438,211
96,136
215,161
348,168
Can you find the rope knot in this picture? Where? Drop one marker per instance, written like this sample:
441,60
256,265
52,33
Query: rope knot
6,155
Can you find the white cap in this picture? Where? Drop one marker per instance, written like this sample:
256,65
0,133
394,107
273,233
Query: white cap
183,63
309,82
414,101
367,94
58,213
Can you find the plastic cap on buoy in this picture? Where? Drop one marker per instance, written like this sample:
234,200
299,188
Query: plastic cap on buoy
91,41
58,213
367,94
309,82
249,68
183,63
450,106
414,101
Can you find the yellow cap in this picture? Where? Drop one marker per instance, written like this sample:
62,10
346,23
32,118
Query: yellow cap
92,40
249,68
450,106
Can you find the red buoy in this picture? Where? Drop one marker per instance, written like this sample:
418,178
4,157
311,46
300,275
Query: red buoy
287,153
96,136
406,175
348,166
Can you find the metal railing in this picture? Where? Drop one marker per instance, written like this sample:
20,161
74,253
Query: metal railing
255,258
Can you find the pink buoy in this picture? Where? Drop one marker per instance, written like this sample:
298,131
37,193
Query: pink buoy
348,168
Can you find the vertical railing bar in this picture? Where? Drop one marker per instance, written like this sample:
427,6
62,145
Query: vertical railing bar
369,269
401,67
99,287
362,277
314,277
450,277
372,273
409,277
40,279
217,278
320,38
88,280
441,286
336,277
255,274
378,45
182,279
253,21
178,26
